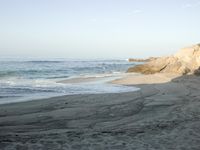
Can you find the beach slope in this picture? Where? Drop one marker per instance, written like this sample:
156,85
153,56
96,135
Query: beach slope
162,115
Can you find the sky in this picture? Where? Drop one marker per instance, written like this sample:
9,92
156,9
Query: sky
90,29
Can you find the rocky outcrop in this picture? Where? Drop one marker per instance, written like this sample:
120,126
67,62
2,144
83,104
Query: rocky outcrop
185,61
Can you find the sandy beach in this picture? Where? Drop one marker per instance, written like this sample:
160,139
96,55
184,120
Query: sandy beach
99,75
162,115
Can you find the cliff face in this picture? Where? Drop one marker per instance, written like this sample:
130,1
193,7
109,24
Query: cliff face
185,61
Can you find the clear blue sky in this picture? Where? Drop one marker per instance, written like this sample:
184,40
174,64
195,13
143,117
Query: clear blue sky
97,28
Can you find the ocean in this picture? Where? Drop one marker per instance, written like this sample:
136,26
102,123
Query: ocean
29,79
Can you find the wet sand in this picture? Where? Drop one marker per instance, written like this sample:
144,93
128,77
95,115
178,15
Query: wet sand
163,115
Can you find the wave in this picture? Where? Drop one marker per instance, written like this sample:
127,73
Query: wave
45,61
37,77
18,90
58,77
7,73
33,74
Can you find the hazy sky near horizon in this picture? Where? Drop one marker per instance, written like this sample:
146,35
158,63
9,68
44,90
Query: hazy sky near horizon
97,28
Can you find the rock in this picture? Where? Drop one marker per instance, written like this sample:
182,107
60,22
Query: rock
185,61
197,71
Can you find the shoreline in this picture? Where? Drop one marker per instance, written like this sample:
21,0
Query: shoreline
162,115
132,79
29,79
93,81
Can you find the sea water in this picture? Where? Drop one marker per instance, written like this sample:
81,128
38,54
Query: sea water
28,79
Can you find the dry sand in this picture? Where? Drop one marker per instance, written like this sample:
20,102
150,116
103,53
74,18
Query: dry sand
163,115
